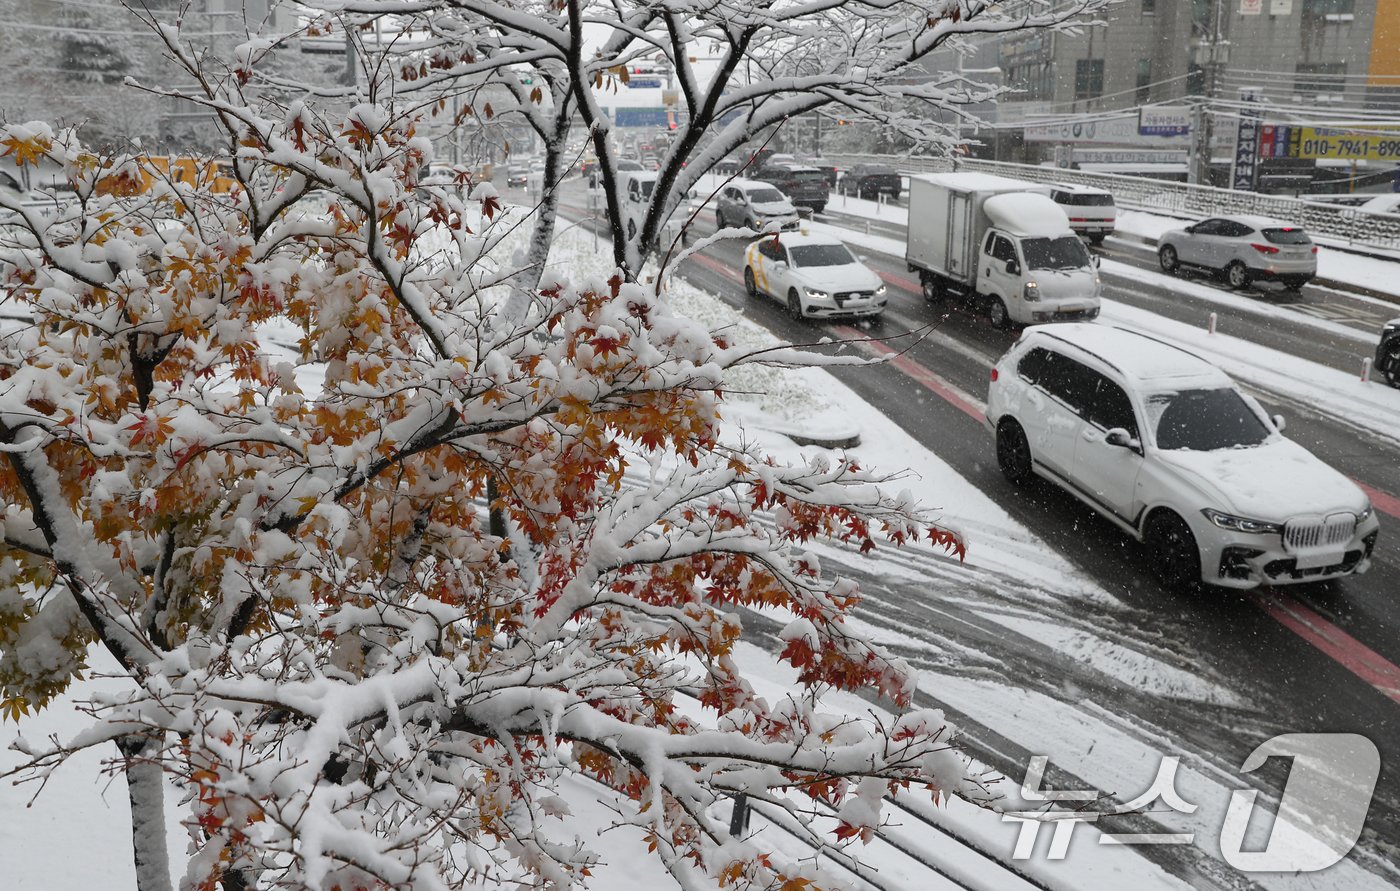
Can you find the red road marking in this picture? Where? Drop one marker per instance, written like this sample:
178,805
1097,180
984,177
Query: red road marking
900,281
916,371
1344,649
1381,501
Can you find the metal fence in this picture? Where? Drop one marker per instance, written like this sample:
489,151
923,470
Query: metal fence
1345,224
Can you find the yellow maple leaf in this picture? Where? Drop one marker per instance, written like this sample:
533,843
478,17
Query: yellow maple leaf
26,151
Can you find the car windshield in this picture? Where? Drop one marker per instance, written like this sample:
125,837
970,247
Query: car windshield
1204,420
879,170
1287,236
1067,252
804,255
766,196
628,165
646,186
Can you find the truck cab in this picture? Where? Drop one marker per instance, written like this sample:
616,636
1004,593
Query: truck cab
1033,267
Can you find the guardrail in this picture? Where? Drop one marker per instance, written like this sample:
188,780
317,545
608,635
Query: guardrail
1347,224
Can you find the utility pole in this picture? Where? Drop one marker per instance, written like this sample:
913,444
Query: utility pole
1216,54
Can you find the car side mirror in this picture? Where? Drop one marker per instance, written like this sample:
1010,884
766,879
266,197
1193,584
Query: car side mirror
1013,267
864,258
1120,438
1190,230
1279,423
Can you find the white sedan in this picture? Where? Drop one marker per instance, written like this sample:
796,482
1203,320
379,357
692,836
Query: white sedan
816,276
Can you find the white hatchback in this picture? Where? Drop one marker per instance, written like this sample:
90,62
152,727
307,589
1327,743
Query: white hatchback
814,275
1164,445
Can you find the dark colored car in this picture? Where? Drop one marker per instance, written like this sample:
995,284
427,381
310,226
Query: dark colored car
743,163
624,167
1388,353
827,168
872,180
804,186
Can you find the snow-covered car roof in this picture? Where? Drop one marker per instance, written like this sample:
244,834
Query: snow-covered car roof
748,185
1081,190
1257,222
802,237
1149,362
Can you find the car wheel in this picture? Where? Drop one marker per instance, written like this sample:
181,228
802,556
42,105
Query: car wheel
719,220
1175,559
1166,256
996,312
866,194
1236,275
750,286
818,208
1392,369
795,305
933,289
1096,240
1013,453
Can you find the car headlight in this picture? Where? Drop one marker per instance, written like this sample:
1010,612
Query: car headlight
1365,513
1241,524
880,289
813,292
1031,291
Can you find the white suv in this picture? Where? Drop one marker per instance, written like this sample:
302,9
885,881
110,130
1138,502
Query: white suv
1163,444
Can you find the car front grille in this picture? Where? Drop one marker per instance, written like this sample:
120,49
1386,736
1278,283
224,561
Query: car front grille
1319,532
842,296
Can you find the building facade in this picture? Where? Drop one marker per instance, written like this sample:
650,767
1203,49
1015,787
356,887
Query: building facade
1300,64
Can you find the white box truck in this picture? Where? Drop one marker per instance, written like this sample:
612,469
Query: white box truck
1002,245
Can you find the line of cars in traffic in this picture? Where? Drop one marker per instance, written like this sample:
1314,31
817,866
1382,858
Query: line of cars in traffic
1154,438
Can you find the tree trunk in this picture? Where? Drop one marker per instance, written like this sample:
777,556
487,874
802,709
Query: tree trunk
146,791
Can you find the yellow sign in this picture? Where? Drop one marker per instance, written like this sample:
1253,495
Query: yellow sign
1366,142
1378,143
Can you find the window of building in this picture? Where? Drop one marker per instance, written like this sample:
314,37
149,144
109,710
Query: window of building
1144,80
1149,7
1088,78
1324,8
1320,78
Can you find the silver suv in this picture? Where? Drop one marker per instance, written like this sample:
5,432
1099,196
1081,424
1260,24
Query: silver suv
755,205
1244,249
1165,446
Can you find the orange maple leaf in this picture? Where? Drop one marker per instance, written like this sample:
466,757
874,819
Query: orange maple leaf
26,151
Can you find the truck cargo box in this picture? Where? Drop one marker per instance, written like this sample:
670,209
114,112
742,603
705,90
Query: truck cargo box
947,217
